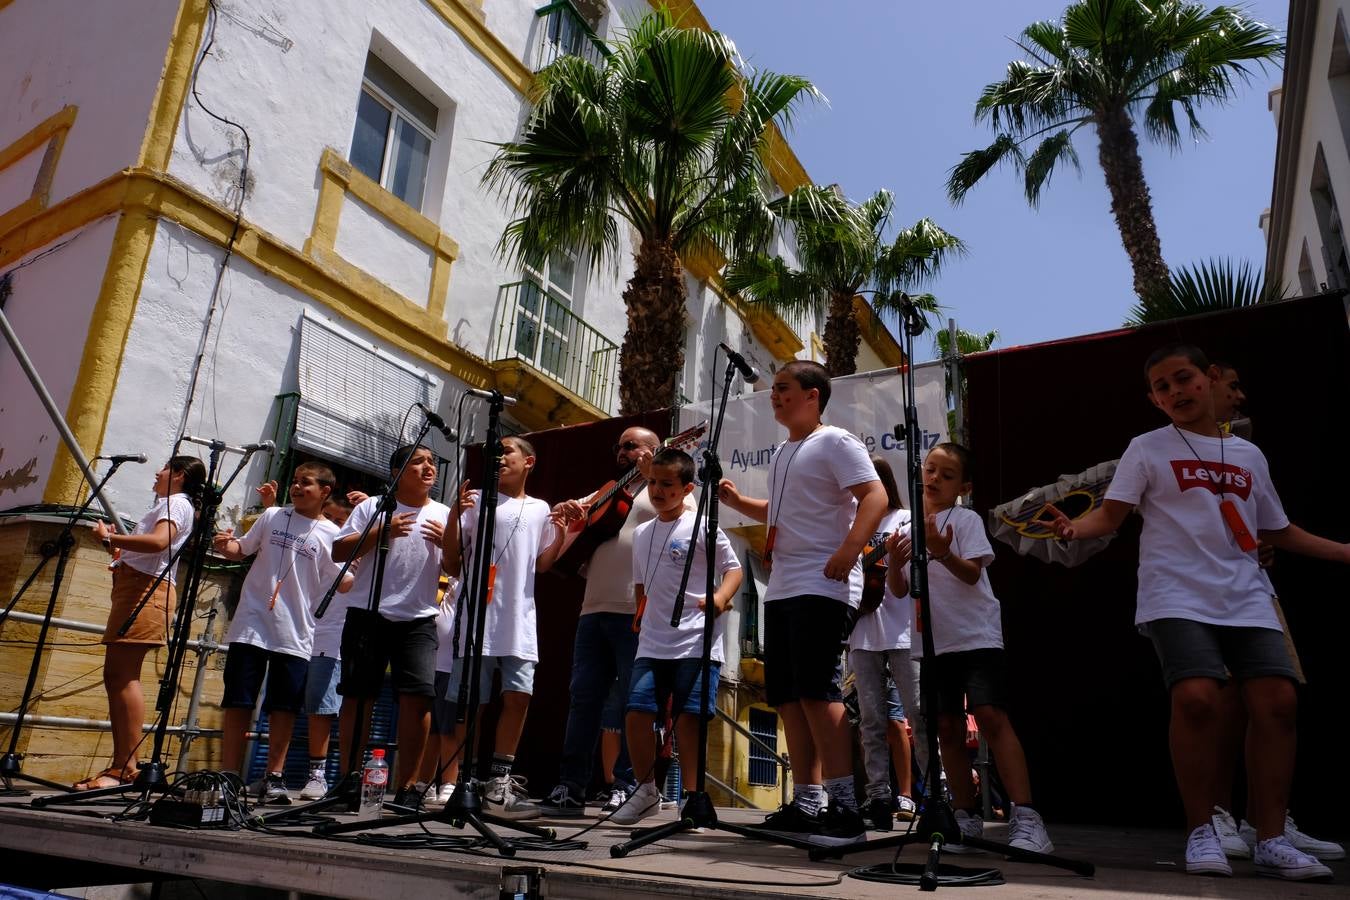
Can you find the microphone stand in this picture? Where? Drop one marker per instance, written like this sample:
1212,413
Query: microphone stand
153,775
346,793
11,764
936,826
699,811
466,805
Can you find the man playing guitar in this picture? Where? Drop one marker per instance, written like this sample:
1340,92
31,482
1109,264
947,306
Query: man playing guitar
605,642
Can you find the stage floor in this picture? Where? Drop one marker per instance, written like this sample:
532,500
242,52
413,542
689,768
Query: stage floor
1130,862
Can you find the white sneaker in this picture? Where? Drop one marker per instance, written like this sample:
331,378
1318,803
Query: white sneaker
614,800
1323,850
972,826
505,796
644,802
1026,831
317,786
445,793
1204,853
1278,858
1234,847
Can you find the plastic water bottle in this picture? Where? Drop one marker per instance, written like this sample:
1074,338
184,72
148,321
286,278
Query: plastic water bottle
374,780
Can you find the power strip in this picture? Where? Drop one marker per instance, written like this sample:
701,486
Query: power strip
200,809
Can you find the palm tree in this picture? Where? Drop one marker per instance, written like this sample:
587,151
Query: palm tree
842,250
668,136
1205,287
1106,63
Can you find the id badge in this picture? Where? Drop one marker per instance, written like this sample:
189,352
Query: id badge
492,580
768,544
1233,517
639,595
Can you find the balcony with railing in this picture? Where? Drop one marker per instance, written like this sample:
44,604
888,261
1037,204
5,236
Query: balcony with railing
540,345
563,31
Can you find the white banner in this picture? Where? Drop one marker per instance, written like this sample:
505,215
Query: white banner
869,404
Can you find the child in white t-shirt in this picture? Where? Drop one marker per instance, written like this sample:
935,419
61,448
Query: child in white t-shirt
441,746
401,634
271,633
970,667
669,660
142,556
1205,497
825,502
525,541
879,642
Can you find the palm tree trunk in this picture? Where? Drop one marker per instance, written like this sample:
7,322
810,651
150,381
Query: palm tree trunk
1118,152
842,336
652,358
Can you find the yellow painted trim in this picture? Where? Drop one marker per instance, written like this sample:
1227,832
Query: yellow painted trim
817,348
468,19
4,3
174,81
876,334
541,402
51,131
337,179
104,346
767,326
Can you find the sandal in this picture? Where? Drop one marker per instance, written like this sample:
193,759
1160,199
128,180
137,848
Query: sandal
108,778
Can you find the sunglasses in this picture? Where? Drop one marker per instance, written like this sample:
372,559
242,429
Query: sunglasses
630,446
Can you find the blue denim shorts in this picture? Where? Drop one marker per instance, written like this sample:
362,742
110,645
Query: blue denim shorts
517,675
657,680
321,696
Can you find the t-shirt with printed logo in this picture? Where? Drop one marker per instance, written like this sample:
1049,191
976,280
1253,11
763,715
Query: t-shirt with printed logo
292,570
660,550
1190,564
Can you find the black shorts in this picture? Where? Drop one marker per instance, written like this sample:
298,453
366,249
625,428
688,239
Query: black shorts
371,643
803,639
1190,649
969,678
245,668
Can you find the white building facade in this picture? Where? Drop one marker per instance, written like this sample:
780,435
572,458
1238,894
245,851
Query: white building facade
1307,248
334,151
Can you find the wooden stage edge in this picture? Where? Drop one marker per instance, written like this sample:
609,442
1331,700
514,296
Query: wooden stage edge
1130,862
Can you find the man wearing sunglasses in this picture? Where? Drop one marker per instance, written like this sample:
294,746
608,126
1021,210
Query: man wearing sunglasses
605,643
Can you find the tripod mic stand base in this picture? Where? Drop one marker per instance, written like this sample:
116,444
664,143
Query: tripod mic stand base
345,795
153,778
11,767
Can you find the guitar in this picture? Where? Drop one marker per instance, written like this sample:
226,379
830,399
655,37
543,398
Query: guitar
874,567
610,507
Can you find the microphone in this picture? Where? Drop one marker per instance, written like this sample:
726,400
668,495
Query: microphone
491,395
748,374
261,445
439,424
125,458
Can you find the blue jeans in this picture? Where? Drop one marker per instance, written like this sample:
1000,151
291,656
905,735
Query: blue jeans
603,651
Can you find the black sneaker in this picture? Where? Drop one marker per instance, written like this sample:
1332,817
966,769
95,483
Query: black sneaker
410,797
878,814
838,825
790,820
563,804
271,791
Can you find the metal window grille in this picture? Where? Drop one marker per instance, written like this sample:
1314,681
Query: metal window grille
763,765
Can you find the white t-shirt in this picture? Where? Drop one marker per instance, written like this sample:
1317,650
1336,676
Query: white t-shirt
887,628
1190,566
445,628
178,510
965,616
811,511
608,587
521,534
659,553
295,552
412,569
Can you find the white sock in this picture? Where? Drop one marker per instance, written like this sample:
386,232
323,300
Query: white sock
810,798
841,792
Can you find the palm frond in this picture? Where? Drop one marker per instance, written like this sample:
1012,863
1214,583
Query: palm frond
1041,164
1209,286
977,163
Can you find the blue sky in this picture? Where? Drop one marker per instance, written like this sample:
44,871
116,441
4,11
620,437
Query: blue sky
902,78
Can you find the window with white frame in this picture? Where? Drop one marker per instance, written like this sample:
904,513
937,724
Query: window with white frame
395,128
544,323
